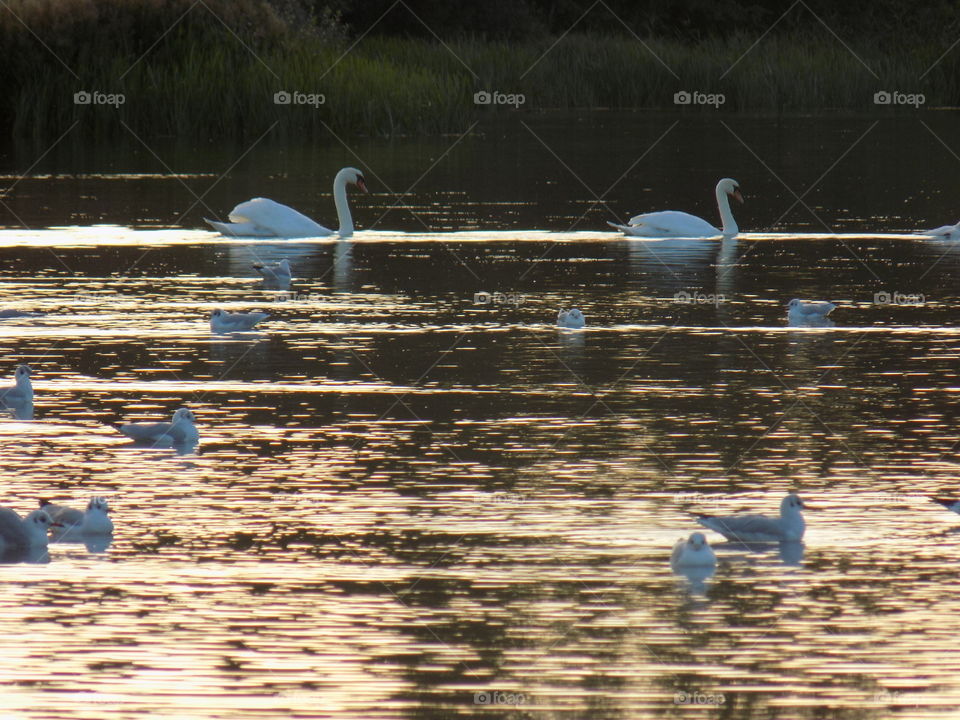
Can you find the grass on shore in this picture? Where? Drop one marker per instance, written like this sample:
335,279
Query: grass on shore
215,73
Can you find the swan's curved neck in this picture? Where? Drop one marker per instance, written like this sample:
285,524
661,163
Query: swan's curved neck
343,207
726,214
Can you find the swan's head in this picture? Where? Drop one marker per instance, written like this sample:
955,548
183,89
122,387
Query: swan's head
22,372
791,504
697,541
730,187
98,504
184,415
352,176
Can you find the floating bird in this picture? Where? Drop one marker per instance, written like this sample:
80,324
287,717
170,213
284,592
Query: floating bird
572,318
94,520
222,322
692,552
261,217
676,224
22,392
808,312
23,533
180,431
944,231
275,273
761,528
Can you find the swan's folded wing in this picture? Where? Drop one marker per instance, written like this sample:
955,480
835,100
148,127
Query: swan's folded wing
673,223
277,219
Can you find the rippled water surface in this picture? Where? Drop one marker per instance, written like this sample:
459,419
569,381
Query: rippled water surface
408,503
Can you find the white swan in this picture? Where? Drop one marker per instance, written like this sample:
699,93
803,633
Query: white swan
261,217
223,322
571,318
944,232
93,521
695,551
180,430
811,313
760,528
677,224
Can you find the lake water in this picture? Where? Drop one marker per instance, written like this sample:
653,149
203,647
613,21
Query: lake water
410,504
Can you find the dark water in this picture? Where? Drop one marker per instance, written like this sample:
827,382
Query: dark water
407,503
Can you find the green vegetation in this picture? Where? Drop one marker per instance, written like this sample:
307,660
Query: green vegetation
216,69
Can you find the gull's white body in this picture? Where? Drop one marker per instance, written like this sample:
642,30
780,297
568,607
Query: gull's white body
222,322
790,526
678,224
808,312
261,217
275,273
180,430
21,392
572,318
92,521
695,551
23,533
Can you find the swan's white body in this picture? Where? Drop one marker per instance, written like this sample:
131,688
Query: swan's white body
944,231
275,273
180,430
677,224
20,393
222,322
261,217
808,312
572,318
92,521
695,551
23,533
789,527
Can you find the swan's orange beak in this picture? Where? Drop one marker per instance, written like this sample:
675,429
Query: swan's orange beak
362,184
737,195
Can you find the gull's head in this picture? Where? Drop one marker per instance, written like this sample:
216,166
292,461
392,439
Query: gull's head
575,315
697,540
791,504
22,372
730,187
793,304
39,519
184,415
217,314
98,504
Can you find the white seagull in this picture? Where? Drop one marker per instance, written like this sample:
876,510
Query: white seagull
23,533
180,431
93,521
223,322
275,273
808,312
695,551
22,392
761,528
572,318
